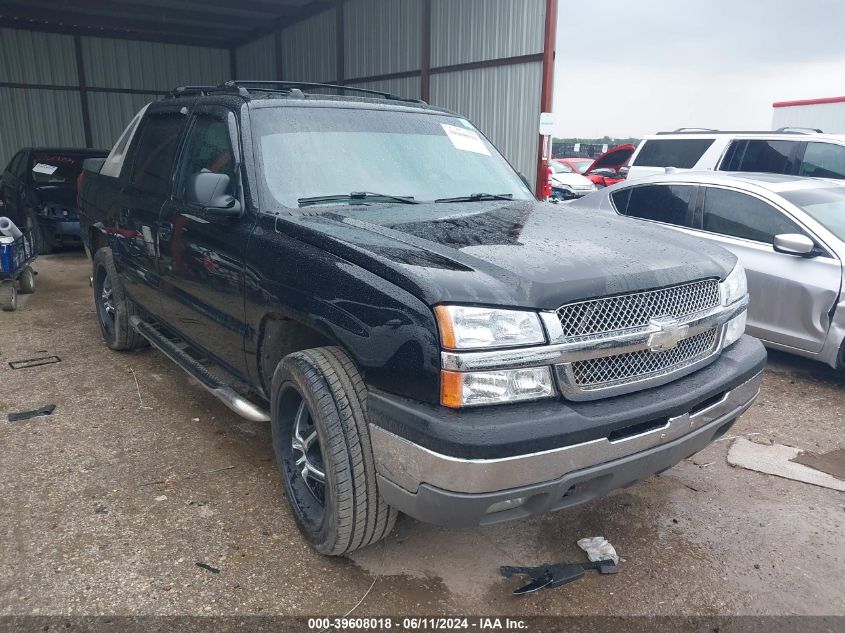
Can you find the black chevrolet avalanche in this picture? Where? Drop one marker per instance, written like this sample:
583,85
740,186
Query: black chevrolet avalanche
371,277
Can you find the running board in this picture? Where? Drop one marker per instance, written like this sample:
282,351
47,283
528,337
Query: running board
215,385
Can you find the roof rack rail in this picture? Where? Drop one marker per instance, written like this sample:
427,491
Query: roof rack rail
287,86
704,130
799,130
293,88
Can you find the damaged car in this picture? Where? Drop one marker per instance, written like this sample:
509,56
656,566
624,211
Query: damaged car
38,192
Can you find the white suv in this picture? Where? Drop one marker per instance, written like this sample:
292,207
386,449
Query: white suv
785,151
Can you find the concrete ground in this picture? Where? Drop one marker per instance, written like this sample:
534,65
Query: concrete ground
109,504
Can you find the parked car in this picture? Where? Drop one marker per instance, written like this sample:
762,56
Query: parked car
422,333
38,192
566,183
578,165
787,151
606,169
788,232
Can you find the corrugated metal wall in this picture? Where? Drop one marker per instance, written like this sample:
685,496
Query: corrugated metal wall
151,65
47,116
33,57
309,49
481,30
257,60
404,87
38,117
381,37
503,102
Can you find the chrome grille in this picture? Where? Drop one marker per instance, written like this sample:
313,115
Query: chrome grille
609,371
623,312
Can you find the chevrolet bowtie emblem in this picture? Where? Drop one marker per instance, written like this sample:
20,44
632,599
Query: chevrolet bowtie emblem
666,334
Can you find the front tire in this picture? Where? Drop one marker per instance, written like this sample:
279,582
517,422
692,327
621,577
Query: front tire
114,308
322,445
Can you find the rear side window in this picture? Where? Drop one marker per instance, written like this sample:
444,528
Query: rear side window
159,138
682,153
823,160
740,215
662,203
773,157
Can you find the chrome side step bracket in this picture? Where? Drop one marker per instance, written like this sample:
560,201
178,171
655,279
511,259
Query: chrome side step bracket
218,388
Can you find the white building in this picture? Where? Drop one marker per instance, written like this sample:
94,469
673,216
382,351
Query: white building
826,114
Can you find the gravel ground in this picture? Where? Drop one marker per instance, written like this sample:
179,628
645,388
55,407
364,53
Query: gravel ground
109,504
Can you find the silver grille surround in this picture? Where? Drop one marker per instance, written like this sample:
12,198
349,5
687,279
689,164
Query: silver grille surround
606,315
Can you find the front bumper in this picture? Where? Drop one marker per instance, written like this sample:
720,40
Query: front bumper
58,229
456,489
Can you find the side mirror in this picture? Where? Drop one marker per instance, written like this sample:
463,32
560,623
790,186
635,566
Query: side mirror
210,191
794,244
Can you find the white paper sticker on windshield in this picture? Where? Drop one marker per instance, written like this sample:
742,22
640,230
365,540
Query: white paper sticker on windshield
42,168
465,140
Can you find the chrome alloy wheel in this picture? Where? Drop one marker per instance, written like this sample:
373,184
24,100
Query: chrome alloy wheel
306,455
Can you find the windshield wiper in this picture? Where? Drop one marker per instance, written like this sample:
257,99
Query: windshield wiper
478,197
356,195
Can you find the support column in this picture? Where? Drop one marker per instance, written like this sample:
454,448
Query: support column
547,90
83,92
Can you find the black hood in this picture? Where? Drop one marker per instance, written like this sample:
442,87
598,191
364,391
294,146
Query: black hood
64,195
528,254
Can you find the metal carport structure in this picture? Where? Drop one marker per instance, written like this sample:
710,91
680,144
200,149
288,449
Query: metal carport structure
73,73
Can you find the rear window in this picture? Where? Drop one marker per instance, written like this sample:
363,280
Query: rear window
682,153
662,203
55,169
773,157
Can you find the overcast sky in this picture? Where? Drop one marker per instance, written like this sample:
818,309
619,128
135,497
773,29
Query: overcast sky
634,67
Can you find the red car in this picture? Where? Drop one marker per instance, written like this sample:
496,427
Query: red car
605,170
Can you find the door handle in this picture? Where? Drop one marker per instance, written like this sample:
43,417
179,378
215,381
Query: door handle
165,231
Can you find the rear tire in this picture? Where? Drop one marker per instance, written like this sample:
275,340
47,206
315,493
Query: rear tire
8,296
114,308
319,425
26,281
41,243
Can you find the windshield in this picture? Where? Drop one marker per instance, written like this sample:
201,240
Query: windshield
825,206
317,151
56,169
582,165
560,168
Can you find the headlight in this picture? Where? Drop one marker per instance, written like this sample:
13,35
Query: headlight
735,287
466,327
494,387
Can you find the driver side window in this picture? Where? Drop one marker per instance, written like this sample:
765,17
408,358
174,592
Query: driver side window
208,148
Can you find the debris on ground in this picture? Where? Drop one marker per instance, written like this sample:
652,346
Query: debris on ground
598,548
551,576
832,462
47,409
776,459
208,567
27,363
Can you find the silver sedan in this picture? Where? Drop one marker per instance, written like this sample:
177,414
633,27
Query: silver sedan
788,232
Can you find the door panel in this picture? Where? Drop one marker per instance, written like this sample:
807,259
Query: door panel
140,205
791,297
201,257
